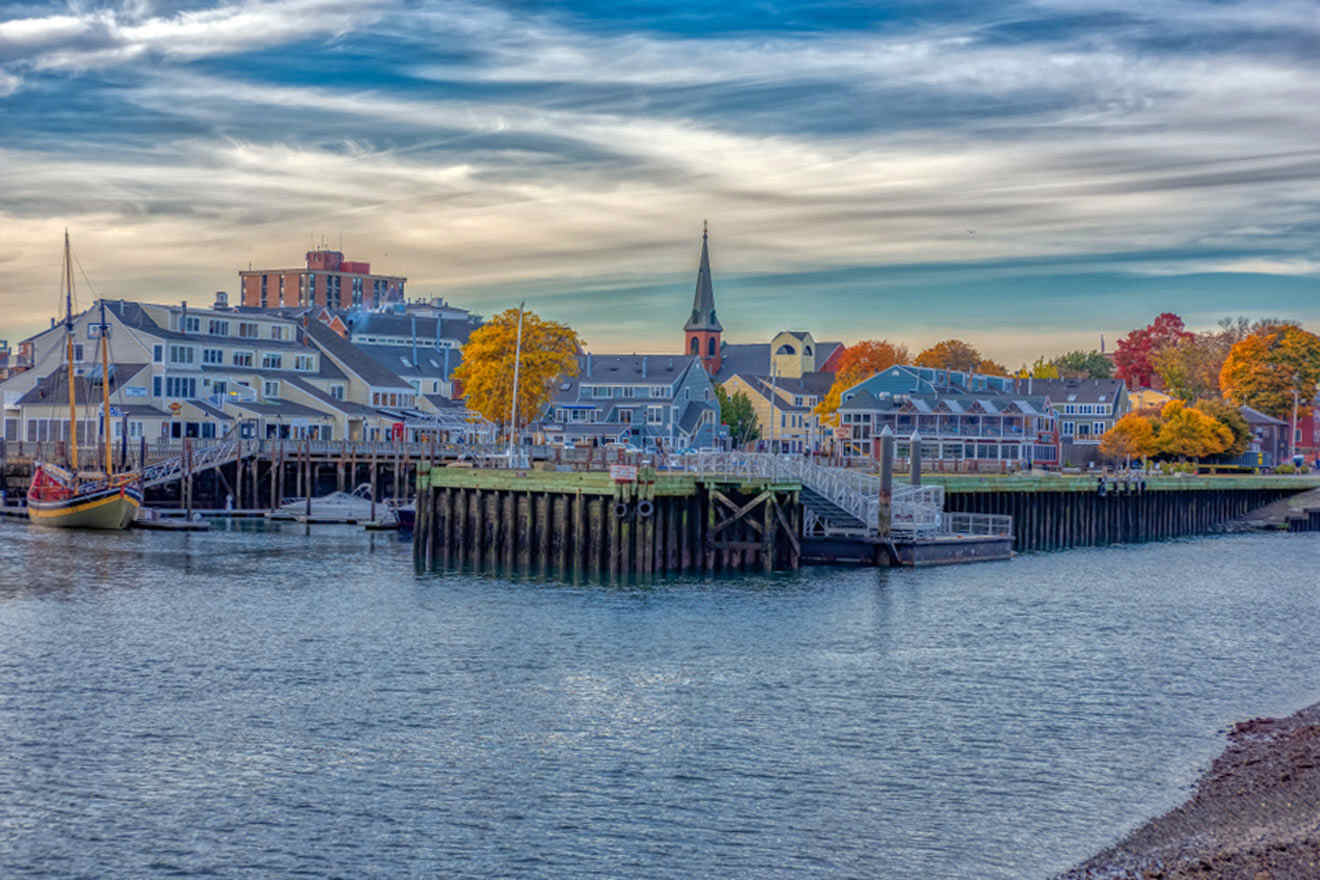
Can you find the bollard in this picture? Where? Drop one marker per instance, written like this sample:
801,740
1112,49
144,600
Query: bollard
886,481
914,458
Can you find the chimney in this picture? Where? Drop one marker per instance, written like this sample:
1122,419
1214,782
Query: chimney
643,366
52,323
414,339
221,300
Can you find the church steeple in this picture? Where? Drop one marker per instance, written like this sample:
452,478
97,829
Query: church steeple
701,333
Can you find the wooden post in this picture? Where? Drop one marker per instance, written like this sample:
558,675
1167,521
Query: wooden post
768,536
373,482
886,482
274,476
278,455
339,468
543,533
914,459
596,513
307,449
579,540
187,476
708,543
396,470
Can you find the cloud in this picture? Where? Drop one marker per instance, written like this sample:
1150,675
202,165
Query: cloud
484,151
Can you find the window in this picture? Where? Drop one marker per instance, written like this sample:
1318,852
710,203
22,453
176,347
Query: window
242,358
655,415
628,390
797,400
276,331
182,354
270,389
1083,429
180,386
77,352
247,329
219,388
157,354
304,363
1098,427
696,346
337,392
1068,429
192,324
213,356
659,391
155,385
601,391
625,416
710,343
271,361
217,327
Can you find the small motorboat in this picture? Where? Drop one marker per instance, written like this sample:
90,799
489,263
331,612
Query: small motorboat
349,507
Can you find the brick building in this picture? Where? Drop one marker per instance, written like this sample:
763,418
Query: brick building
327,280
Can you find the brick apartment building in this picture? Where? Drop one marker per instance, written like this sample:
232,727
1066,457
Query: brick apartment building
327,280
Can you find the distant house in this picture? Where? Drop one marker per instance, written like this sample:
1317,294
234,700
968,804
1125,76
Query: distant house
1086,408
784,382
651,401
959,417
1269,439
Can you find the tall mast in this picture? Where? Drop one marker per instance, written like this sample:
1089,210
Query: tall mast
68,350
105,393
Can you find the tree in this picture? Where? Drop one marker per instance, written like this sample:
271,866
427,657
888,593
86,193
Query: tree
1134,353
1083,365
858,362
1267,367
1132,436
1186,432
736,411
1039,370
988,367
1228,416
549,353
951,354
1190,366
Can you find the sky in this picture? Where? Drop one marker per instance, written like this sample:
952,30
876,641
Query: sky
1028,176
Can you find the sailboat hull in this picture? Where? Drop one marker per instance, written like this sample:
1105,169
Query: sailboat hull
111,508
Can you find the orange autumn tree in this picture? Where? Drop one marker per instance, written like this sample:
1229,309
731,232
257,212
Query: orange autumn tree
549,351
952,354
1186,432
858,362
1265,369
1132,436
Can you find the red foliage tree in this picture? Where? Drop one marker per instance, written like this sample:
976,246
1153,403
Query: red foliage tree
1133,358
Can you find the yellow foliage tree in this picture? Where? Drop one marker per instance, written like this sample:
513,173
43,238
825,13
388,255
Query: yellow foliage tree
858,362
988,367
549,352
1189,433
1039,370
1132,436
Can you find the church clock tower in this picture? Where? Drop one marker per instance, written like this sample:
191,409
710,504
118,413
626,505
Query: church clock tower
701,333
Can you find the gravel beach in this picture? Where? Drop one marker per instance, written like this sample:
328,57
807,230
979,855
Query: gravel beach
1255,814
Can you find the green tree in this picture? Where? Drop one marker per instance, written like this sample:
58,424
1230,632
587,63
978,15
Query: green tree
736,411
1228,416
1084,365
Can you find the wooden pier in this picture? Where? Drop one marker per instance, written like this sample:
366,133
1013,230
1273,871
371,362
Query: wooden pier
580,526
1058,513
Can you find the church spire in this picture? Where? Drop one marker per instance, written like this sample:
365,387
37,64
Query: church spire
703,300
701,333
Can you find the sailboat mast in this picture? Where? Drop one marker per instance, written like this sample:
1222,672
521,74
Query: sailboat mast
68,349
105,394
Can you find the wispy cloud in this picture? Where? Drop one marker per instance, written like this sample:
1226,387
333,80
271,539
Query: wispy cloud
486,151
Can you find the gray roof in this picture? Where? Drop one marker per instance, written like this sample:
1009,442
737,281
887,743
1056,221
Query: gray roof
351,356
1256,417
703,299
810,383
752,359
133,315
344,406
1062,391
691,416
970,404
140,410
211,410
624,369
429,363
279,407
53,389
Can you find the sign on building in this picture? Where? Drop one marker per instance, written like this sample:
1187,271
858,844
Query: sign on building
623,473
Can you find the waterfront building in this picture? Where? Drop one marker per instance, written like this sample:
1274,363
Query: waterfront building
651,401
960,417
326,280
422,343
1086,409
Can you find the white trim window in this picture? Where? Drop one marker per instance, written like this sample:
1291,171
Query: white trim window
270,388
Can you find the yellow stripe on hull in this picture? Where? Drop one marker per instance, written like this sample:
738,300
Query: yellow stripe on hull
110,511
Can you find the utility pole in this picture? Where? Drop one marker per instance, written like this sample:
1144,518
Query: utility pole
1292,433
517,360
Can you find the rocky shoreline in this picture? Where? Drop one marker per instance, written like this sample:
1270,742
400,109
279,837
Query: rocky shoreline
1255,814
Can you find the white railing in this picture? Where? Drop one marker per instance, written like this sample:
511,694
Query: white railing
915,511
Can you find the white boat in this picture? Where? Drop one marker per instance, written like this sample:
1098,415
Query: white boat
352,506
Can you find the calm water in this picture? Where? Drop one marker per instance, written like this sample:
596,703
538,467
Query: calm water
261,703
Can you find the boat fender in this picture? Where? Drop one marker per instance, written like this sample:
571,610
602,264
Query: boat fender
621,509
645,509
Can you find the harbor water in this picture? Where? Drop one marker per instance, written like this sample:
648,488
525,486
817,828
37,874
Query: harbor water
258,701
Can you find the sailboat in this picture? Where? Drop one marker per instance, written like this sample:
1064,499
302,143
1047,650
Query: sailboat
70,498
